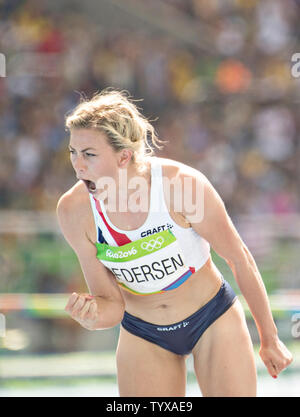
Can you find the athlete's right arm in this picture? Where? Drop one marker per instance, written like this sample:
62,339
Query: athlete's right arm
106,308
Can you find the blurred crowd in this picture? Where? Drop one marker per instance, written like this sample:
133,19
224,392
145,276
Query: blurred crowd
232,112
232,115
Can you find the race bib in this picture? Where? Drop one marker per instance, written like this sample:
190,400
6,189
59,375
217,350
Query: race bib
149,265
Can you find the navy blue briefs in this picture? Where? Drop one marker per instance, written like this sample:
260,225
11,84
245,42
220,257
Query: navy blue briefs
181,337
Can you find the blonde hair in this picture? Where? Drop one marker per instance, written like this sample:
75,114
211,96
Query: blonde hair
115,114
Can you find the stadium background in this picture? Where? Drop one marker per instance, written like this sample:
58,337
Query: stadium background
216,78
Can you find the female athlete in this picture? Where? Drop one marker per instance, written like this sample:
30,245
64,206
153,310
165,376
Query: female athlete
142,228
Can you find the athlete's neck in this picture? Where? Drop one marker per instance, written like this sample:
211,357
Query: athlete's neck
132,186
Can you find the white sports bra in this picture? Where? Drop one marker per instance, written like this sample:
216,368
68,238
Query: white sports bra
158,256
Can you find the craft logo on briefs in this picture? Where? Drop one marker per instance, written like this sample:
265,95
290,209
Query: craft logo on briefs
174,327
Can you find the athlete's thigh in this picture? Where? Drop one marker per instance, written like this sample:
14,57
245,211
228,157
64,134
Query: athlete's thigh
224,358
145,369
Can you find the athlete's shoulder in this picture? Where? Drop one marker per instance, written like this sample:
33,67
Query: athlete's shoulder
75,200
74,214
175,169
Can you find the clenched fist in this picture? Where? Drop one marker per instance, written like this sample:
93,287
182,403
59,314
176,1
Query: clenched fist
276,357
84,309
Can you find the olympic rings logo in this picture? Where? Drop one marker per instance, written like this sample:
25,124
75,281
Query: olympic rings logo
153,244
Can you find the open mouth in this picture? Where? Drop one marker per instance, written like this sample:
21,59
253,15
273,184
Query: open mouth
91,186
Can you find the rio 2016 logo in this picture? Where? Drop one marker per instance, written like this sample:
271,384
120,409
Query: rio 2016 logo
121,254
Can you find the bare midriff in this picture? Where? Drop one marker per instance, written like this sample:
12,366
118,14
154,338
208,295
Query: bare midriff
176,305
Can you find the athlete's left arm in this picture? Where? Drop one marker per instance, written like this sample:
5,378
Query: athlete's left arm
213,223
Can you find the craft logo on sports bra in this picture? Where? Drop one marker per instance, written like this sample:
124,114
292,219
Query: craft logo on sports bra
156,229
